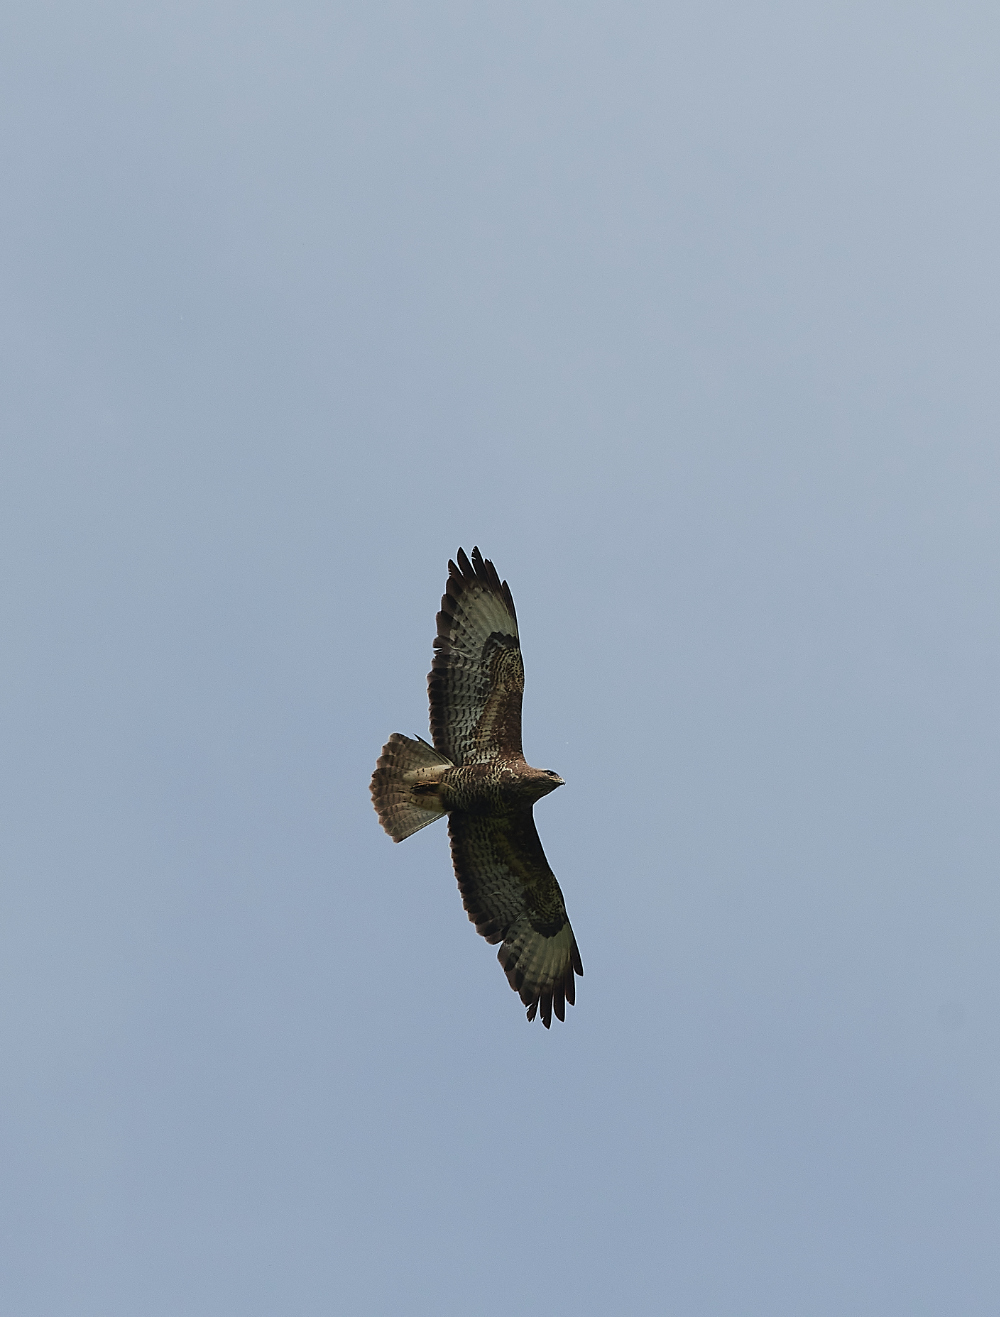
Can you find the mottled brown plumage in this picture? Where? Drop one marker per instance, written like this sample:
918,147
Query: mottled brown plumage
476,773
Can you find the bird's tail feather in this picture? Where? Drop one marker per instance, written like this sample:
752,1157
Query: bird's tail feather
404,785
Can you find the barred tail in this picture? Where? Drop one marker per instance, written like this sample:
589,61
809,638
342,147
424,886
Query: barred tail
404,785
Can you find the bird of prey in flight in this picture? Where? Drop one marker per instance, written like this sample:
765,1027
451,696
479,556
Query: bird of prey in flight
476,773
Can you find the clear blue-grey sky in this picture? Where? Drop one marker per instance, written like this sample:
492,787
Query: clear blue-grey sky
688,316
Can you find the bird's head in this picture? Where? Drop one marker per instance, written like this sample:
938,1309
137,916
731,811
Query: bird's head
547,780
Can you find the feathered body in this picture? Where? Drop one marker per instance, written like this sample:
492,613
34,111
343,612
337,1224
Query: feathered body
476,773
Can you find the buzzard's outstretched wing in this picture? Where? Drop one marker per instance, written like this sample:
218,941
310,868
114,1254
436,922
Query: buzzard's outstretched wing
477,678
512,896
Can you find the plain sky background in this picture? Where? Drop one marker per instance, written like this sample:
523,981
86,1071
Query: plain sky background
688,316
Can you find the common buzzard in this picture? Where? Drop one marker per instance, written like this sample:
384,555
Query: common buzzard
476,773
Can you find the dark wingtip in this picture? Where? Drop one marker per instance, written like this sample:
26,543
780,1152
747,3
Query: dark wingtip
481,569
577,962
464,566
547,1009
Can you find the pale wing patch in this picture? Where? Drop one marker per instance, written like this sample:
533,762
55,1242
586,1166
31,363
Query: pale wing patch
479,614
541,967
